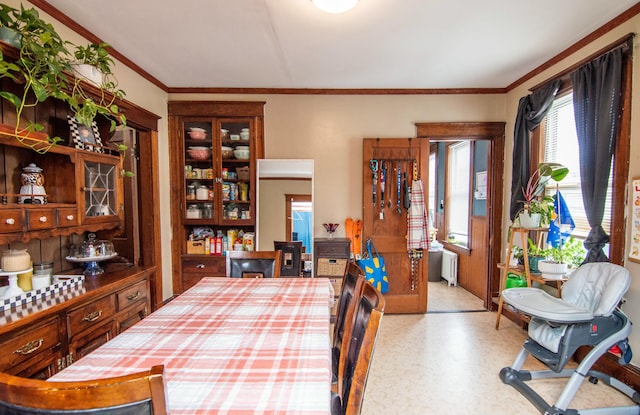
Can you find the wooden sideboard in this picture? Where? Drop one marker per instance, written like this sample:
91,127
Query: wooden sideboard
42,338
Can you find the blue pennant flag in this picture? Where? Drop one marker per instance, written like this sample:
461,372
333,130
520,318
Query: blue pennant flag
561,227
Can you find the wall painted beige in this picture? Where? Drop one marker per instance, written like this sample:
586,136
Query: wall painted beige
330,129
272,208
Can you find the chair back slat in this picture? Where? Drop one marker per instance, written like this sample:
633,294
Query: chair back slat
291,262
361,333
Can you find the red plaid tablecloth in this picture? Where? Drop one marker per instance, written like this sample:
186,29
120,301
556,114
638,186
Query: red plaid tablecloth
231,346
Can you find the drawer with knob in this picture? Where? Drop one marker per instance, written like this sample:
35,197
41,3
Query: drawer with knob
67,217
28,344
196,267
91,315
10,220
132,295
41,218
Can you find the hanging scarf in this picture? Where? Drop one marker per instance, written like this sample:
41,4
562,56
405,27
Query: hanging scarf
417,224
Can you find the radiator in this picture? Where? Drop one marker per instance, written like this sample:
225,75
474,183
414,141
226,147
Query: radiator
450,267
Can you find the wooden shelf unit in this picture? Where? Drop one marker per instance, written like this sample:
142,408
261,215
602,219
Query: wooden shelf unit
213,117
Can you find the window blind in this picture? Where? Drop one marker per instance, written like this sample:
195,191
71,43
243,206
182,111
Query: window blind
561,146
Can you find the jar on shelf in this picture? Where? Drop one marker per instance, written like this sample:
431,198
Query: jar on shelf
202,192
207,211
194,212
191,192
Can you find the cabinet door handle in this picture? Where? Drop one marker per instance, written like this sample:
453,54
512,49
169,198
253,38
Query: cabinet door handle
10,221
30,347
43,219
132,297
200,266
93,316
69,217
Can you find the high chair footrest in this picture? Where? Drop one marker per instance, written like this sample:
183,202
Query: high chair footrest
544,355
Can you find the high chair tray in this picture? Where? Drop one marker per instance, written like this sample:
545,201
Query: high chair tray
538,303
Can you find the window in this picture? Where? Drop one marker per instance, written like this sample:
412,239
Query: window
432,189
561,146
458,182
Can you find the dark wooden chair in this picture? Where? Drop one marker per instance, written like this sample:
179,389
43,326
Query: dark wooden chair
253,264
352,284
141,393
360,334
291,265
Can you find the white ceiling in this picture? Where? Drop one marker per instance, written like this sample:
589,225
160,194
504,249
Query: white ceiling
378,44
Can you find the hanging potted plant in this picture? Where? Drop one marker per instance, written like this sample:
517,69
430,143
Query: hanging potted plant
43,69
538,208
9,26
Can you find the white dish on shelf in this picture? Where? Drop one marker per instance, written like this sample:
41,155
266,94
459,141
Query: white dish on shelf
91,259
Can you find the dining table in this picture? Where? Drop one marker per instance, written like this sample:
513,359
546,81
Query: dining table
233,346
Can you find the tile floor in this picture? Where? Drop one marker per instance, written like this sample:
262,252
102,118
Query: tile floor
447,363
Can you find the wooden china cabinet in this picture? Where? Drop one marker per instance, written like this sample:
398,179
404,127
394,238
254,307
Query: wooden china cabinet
84,193
213,185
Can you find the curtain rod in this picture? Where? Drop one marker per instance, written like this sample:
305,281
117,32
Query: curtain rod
624,42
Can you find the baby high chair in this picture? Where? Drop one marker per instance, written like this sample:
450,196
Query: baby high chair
586,315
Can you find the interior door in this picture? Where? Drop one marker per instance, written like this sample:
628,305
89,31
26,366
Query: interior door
407,290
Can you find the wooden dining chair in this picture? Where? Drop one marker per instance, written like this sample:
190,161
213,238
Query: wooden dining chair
352,284
360,333
253,264
140,393
291,265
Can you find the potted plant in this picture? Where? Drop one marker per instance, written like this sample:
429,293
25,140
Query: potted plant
568,255
538,208
9,28
93,63
535,255
43,67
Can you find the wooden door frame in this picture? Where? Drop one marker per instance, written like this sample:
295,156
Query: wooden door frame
494,132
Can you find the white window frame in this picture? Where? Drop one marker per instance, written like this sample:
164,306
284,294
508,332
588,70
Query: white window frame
458,192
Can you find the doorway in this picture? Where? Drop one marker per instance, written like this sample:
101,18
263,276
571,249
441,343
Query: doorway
299,219
477,262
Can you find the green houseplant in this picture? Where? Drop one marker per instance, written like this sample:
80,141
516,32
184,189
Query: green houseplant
535,255
86,106
538,208
44,69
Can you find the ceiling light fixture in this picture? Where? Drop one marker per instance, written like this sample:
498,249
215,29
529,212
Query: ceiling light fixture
335,6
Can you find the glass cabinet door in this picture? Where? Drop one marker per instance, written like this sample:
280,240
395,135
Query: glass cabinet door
199,170
100,192
237,172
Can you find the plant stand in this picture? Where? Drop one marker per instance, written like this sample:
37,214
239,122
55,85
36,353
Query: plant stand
525,270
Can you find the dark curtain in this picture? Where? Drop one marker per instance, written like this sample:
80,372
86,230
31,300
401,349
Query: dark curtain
596,102
531,111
